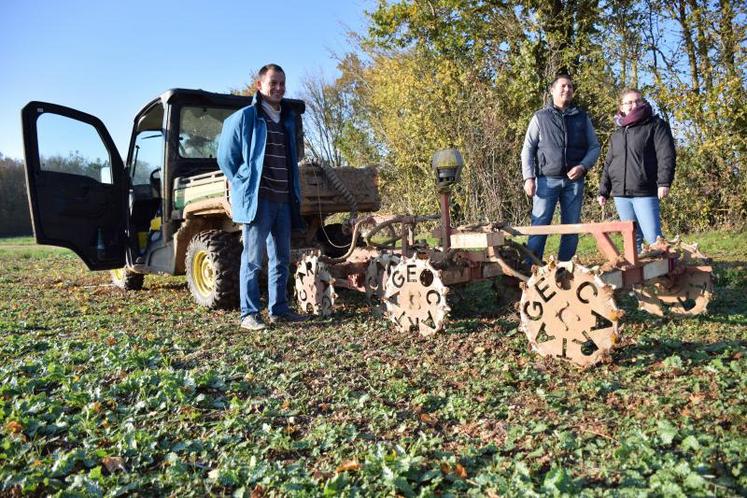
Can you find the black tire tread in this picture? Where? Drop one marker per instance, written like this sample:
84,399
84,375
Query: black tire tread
224,250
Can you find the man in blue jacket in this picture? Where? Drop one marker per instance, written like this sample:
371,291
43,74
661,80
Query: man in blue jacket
559,148
257,153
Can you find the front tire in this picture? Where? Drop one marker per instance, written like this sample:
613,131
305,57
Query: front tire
212,262
127,279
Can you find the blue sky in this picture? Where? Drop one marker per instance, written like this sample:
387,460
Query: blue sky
108,58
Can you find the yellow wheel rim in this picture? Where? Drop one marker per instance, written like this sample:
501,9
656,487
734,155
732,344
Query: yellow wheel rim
203,274
119,274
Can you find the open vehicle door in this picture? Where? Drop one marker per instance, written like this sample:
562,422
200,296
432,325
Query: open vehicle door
76,183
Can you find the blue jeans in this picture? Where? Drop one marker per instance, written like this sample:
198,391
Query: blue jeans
549,191
645,212
269,234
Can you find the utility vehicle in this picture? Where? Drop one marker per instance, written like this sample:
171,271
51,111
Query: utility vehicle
166,209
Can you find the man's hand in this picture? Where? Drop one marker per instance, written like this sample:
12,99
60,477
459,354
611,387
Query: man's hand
530,187
576,172
663,192
602,200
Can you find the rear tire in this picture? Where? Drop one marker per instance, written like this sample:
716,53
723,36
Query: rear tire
127,279
212,262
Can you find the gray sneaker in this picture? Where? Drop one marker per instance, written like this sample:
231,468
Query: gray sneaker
253,322
289,317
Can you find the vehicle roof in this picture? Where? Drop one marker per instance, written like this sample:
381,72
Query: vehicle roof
202,97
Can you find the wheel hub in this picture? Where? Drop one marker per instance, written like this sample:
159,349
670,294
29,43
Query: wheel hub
202,269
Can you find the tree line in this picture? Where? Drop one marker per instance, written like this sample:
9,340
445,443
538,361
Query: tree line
429,74
15,218
14,205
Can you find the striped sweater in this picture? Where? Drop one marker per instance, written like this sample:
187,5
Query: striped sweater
274,185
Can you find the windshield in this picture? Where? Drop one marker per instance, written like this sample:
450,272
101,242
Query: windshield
199,130
148,156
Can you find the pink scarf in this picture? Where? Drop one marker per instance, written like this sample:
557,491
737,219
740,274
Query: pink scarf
635,116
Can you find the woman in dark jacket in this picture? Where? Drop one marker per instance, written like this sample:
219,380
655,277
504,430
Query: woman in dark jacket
639,167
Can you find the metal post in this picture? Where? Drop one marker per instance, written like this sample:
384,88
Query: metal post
445,222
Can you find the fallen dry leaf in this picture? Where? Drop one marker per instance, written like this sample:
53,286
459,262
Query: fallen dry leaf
113,464
349,466
14,427
460,471
428,419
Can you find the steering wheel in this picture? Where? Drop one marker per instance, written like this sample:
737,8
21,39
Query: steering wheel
155,182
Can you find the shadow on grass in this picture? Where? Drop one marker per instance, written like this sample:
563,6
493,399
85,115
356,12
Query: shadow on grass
474,307
697,353
167,285
731,274
486,299
466,326
728,306
728,301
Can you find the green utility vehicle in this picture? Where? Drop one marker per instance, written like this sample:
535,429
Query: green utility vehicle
167,209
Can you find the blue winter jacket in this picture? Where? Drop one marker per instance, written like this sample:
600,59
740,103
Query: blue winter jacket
241,155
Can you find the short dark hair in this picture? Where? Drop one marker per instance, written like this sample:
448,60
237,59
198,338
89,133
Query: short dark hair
561,76
263,70
627,90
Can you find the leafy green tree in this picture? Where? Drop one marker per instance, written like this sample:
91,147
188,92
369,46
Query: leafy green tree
470,73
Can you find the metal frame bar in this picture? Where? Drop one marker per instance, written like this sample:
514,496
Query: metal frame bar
600,231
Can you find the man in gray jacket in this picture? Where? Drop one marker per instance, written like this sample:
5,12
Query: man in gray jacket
559,148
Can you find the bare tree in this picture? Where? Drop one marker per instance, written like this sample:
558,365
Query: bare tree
324,119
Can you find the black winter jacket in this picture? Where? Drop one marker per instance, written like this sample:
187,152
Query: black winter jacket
640,158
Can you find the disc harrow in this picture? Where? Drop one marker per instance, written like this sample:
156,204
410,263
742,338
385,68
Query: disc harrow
415,297
685,291
567,310
315,291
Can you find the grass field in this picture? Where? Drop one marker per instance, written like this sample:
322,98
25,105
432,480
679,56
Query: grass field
106,393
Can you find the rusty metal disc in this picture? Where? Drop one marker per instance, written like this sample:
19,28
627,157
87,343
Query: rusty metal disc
568,312
315,292
686,291
377,273
415,297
